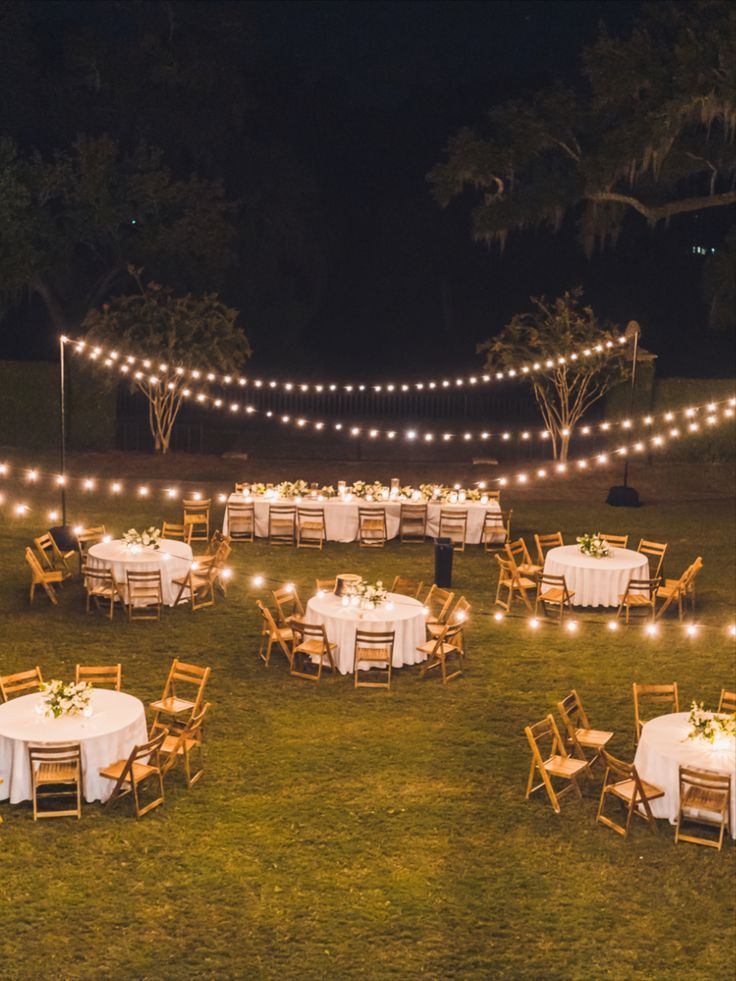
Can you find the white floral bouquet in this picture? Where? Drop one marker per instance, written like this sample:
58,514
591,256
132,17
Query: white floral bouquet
59,699
371,595
706,725
593,545
289,489
148,538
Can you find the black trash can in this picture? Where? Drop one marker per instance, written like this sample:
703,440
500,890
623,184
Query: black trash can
443,562
65,538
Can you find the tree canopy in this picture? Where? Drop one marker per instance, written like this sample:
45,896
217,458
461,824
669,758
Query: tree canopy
564,389
195,332
71,223
648,131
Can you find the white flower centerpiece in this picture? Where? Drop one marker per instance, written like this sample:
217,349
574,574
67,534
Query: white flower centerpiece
59,698
148,538
371,595
593,545
713,728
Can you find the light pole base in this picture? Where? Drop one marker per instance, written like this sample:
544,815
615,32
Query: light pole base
622,496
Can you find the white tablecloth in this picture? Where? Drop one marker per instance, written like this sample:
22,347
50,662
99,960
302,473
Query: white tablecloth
401,613
341,516
173,559
118,723
664,747
596,582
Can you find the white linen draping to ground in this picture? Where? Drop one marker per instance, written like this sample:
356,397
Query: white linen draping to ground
341,517
664,747
173,559
117,724
596,582
402,614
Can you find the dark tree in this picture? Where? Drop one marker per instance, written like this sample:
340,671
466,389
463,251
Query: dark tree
649,131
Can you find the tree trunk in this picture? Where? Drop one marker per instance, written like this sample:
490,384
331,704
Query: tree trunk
564,446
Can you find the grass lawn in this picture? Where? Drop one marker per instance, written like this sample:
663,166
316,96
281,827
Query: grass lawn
364,834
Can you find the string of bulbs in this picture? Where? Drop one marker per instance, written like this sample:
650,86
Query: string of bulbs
534,623
140,367
658,441
411,434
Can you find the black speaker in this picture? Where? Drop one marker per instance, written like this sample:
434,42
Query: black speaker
443,562
623,497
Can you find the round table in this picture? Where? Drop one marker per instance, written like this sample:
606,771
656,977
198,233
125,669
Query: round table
172,559
401,614
664,747
117,724
596,582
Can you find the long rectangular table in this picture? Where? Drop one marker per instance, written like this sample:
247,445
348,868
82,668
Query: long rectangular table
341,516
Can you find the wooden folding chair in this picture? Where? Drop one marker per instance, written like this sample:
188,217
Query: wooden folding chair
727,701
311,531
551,759
144,763
325,585
514,583
86,538
448,643
641,594
288,603
454,525
177,532
496,531
665,698
310,650
172,703
281,524
56,772
182,745
615,541
41,577
101,588
22,682
376,650
438,602
241,521
622,781
545,542
198,585
52,558
407,587
656,551
518,555
412,523
372,529
99,675
458,615
581,738
197,519
553,591
145,595
677,590
272,633
705,798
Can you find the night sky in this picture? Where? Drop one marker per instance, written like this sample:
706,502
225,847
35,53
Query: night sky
354,103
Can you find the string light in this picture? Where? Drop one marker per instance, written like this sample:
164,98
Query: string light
656,441
612,346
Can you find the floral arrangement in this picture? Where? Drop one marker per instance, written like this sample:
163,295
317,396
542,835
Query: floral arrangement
148,538
370,491
60,699
593,545
371,595
706,725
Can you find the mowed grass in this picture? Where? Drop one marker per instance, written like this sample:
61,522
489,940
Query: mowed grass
341,833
